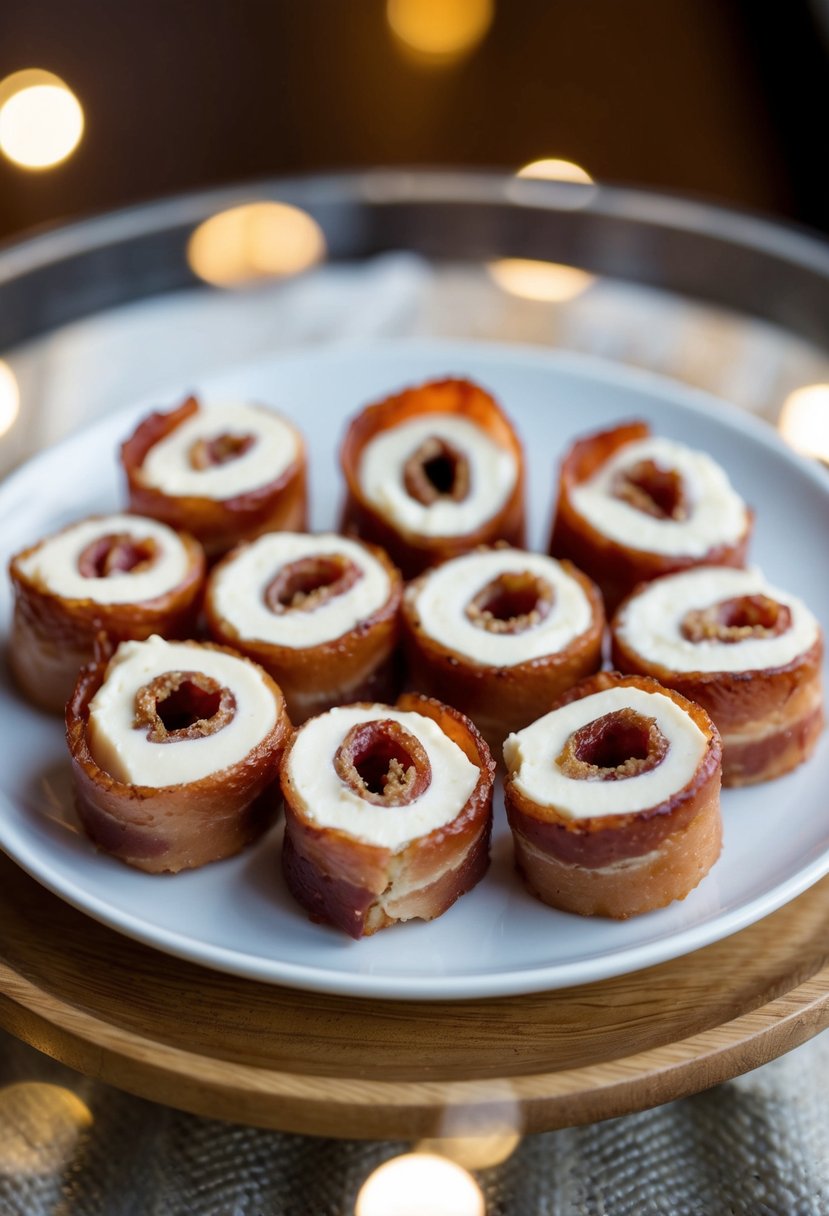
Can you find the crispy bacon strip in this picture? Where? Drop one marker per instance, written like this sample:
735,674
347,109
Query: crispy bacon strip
362,665
412,553
622,865
499,700
359,887
53,637
179,827
615,567
219,524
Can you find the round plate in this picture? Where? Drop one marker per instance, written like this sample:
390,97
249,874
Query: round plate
237,915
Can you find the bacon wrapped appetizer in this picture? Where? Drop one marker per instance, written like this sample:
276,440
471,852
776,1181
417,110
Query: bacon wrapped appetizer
225,473
388,813
633,506
749,654
502,633
175,752
613,798
120,574
433,472
319,613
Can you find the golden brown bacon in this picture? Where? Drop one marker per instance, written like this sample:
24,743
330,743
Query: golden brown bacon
412,552
769,720
621,865
616,567
360,887
177,827
219,524
500,700
52,636
361,665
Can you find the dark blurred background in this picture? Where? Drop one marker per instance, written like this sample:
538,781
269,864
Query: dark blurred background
716,98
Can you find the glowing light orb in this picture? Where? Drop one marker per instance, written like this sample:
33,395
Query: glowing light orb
9,397
440,30
41,119
255,241
420,1184
804,420
554,169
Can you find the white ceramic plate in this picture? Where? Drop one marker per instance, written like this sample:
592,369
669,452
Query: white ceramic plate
236,915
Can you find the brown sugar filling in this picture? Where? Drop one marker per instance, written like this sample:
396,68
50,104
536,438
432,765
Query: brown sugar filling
735,620
207,453
182,705
384,763
308,582
117,553
511,603
436,470
620,744
653,490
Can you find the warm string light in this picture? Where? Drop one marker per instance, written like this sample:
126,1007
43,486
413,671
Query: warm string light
41,119
420,1184
39,1127
804,420
9,397
439,31
255,241
531,278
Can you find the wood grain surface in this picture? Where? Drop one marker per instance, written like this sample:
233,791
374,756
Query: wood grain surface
308,1062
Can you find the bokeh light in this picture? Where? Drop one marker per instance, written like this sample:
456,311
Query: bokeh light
440,31
804,420
9,397
255,241
420,1184
39,1127
41,119
535,280
552,168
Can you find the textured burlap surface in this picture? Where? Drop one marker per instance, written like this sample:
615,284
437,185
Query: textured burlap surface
758,1146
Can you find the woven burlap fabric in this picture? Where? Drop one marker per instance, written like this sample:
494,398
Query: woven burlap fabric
758,1146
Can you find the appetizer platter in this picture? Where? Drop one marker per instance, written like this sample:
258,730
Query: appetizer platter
443,448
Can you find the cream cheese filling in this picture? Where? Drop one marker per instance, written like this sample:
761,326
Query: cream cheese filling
493,474
330,803
54,562
237,590
651,624
717,515
531,756
124,751
169,467
442,600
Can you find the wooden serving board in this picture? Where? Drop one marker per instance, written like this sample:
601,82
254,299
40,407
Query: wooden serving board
333,1066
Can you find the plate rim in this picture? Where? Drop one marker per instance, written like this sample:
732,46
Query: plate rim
492,984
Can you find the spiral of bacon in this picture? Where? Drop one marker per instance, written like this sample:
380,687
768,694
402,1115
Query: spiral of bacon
183,825
218,524
410,550
769,715
620,864
502,601
357,664
53,636
344,879
617,567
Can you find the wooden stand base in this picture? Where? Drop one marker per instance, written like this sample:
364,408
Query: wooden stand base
325,1065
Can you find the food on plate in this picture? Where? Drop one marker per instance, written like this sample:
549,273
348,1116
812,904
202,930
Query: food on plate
388,813
225,472
318,612
433,472
632,506
120,574
613,797
501,634
175,751
748,653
